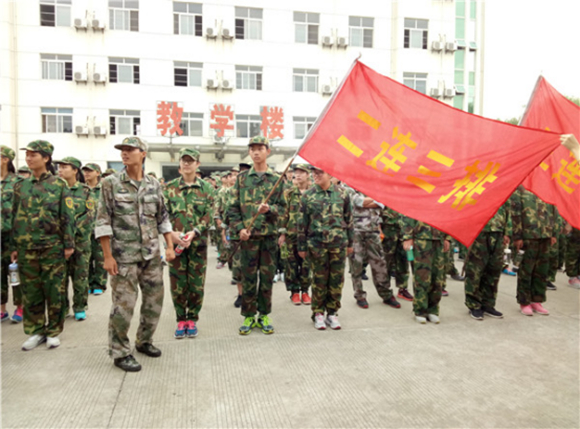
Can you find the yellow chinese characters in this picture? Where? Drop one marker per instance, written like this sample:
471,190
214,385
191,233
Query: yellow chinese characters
395,152
570,171
422,183
464,189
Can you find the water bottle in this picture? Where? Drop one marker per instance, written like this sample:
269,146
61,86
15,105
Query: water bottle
14,275
410,256
179,248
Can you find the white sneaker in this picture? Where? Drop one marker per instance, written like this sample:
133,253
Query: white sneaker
421,319
433,318
33,341
282,277
319,322
275,278
52,342
332,321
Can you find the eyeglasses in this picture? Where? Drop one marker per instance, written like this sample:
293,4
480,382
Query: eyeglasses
188,161
317,172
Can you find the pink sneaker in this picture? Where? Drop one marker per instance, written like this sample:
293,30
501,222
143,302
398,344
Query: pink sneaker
574,282
537,307
526,310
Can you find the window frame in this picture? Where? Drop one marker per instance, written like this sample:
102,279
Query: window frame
58,9
188,67
303,74
115,114
191,117
409,31
243,24
190,13
365,31
46,60
130,12
310,21
254,121
60,115
305,121
114,72
252,75
417,77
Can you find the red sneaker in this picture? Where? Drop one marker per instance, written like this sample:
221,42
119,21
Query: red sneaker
306,298
537,308
295,298
404,294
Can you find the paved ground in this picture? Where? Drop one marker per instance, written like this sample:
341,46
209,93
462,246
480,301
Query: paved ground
381,370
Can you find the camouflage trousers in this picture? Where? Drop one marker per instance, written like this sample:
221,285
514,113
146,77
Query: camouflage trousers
97,274
16,291
483,270
257,259
327,265
429,276
214,237
450,268
236,262
368,248
297,273
553,259
43,279
148,276
222,249
187,277
562,242
533,272
77,269
573,253
396,257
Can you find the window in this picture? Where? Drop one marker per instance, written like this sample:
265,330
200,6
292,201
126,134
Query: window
124,70
55,13
187,74
305,80
248,125
248,23
124,15
187,19
249,77
417,81
460,66
306,27
192,124
124,122
458,101
416,33
302,125
56,67
56,120
361,31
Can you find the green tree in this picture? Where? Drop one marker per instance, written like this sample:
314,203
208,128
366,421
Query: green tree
575,100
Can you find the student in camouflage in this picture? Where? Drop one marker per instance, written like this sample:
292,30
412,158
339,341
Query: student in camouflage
24,172
573,256
554,256
219,205
8,180
189,202
131,214
108,172
258,243
42,240
69,169
325,233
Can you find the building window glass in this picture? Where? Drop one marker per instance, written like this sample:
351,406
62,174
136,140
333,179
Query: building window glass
187,18
473,9
124,15
249,77
56,120
187,74
471,104
124,122
301,125
459,66
248,125
458,101
124,70
305,80
56,67
192,124
248,23
55,13
306,27
417,81
416,33
361,31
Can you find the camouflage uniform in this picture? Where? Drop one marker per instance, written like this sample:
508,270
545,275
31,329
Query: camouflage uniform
573,254
134,215
190,209
234,260
485,261
219,204
42,228
325,230
554,256
395,255
533,221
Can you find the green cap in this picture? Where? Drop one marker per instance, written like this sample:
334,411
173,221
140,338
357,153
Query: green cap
259,140
7,152
152,174
24,169
93,167
40,146
224,173
245,166
132,142
70,161
236,169
189,152
109,171
313,167
303,167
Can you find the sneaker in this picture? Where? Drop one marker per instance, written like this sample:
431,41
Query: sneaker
508,272
282,277
332,321
52,342
247,326
550,286
362,303
319,322
306,298
91,291
4,316
127,363
233,282
490,311
515,269
33,341
98,291
80,315
275,278
265,324
537,308
526,310
220,265
433,318
238,301
444,293
148,349
17,316
574,282
180,331
364,276
458,277
404,294
476,313
420,319
191,329
392,302
295,298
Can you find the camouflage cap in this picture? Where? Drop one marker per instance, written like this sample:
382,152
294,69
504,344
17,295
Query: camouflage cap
132,142
236,169
259,140
109,171
70,161
224,173
313,167
186,151
244,166
152,174
303,167
24,169
93,167
7,152
40,146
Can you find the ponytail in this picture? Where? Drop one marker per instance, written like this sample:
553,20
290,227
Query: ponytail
11,168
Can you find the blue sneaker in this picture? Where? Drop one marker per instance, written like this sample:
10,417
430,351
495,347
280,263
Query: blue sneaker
180,331
17,316
508,272
191,329
97,291
4,316
80,315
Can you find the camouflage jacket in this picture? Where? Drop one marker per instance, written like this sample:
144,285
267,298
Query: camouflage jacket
190,207
531,217
501,221
43,214
219,204
84,208
247,195
416,230
7,195
93,202
364,219
227,198
289,220
325,218
134,215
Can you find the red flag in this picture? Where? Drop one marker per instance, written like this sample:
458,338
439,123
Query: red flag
556,180
421,157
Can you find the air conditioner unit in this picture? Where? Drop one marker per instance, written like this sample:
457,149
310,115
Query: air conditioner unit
450,47
211,84
97,24
226,84
227,34
342,42
80,76
327,41
210,33
99,77
99,130
435,92
80,23
449,93
436,45
459,89
82,130
326,89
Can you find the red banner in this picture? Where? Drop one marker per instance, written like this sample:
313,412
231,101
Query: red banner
421,157
556,180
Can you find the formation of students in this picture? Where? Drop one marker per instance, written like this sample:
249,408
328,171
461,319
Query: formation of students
79,227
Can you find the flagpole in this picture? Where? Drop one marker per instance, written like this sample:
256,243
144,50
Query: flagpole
529,101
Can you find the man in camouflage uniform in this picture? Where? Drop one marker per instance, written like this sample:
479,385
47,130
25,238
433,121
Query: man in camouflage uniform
24,172
325,231
368,248
573,256
189,202
554,256
219,205
108,172
258,241
533,230
484,264
131,215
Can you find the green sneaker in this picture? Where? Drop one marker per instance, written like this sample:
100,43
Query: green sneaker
247,326
265,324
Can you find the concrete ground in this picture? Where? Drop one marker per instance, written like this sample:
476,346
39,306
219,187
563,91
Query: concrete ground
381,370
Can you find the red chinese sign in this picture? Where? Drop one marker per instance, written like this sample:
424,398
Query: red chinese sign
272,122
169,118
221,115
